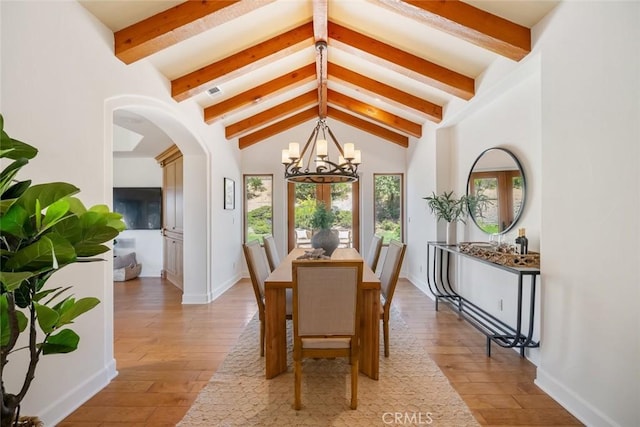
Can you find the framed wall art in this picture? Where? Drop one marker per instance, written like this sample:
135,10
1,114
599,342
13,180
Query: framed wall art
229,193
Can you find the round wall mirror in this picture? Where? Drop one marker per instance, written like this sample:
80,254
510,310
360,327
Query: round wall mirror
497,189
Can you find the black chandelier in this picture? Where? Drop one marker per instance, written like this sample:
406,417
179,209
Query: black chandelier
314,164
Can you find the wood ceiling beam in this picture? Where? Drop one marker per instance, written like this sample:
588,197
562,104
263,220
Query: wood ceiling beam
320,35
242,62
177,24
272,114
392,95
262,92
368,127
400,61
464,21
276,128
306,115
375,113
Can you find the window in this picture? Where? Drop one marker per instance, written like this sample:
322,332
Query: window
387,209
258,203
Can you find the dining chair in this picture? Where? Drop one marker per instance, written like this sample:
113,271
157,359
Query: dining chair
326,316
259,271
373,254
272,252
388,280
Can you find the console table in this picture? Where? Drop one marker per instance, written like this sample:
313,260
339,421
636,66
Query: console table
495,329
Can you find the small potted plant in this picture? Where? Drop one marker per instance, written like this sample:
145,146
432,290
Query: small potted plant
452,209
325,238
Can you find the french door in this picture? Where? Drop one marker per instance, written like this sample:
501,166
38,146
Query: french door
343,198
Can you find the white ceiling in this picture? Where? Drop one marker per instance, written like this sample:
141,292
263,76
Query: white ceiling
373,18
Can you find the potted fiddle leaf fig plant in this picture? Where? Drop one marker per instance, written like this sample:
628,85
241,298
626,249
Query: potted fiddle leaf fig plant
449,207
321,221
43,229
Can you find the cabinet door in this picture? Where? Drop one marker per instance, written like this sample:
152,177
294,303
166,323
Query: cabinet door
169,177
173,260
178,206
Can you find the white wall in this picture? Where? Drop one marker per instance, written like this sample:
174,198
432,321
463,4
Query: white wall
147,244
61,100
571,113
590,157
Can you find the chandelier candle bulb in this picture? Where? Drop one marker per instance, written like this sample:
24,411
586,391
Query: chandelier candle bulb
294,150
357,156
349,151
341,160
285,157
321,149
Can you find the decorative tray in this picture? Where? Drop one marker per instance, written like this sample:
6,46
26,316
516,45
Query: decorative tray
501,254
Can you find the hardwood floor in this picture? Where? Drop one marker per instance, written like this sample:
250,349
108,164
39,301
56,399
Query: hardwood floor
166,352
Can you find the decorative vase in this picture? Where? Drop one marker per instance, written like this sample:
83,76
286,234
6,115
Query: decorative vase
451,233
325,239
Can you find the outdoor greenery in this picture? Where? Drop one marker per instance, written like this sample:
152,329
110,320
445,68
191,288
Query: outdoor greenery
255,186
259,213
44,229
260,223
387,203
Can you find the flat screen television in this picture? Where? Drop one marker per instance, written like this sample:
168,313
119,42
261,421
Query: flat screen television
141,207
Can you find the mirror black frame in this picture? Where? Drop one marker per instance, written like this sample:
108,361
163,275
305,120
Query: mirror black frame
524,188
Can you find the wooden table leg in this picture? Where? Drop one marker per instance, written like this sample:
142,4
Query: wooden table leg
370,333
275,332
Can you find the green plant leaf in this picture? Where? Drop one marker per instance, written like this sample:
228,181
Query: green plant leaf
55,213
64,341
12,148
68,312
23,294
13,221
12,281
88,250
5,329
98,234
8,173
50,252
47,194
76,206
12,194
47,318
69,228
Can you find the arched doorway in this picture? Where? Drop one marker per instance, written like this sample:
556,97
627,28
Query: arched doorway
197,245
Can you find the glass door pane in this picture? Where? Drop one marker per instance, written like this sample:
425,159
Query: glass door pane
342,205
341,197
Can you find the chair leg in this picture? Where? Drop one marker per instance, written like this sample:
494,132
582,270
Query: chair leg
354,383
385,328
297,372
262,338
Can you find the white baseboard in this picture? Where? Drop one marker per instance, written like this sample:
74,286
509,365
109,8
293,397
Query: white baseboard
421,285
212,295
572,402
225,287
66,404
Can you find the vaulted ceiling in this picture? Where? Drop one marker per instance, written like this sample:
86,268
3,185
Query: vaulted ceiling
388,65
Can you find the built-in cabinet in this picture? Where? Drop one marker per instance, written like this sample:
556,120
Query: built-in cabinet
172,219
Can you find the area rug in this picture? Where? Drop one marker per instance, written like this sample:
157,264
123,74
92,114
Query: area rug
411,390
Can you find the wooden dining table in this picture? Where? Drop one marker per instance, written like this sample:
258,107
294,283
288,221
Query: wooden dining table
275,315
